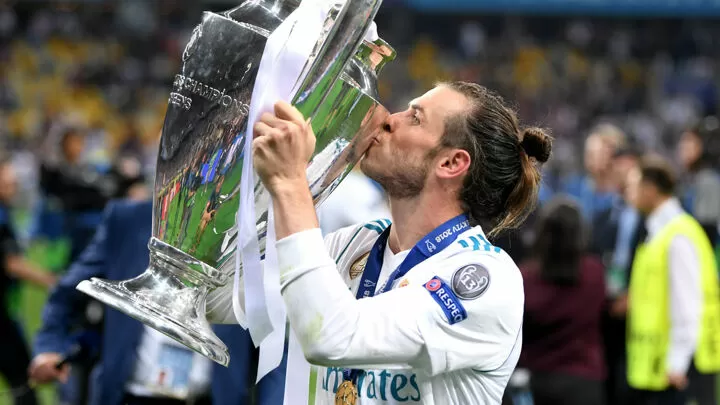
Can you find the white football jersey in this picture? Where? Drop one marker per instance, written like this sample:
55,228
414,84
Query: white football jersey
469,361
457,315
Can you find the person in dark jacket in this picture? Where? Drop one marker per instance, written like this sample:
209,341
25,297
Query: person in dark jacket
564,302
76,190
616,234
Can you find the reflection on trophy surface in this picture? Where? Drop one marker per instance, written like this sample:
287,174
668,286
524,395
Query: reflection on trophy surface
196,196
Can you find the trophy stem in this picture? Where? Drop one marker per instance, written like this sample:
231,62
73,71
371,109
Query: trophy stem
169,296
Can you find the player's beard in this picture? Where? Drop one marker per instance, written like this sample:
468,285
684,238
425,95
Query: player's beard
403,178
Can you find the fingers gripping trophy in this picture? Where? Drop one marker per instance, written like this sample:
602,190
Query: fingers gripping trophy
199,165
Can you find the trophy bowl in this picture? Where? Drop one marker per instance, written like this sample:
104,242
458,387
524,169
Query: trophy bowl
199,165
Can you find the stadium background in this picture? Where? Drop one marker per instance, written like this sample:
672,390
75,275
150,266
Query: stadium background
648,66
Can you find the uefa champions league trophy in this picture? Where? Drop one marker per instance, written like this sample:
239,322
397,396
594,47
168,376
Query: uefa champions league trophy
196,195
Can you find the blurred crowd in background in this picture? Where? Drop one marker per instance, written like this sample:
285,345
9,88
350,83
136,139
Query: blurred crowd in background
84,88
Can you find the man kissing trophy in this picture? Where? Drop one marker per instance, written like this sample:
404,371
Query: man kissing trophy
202,168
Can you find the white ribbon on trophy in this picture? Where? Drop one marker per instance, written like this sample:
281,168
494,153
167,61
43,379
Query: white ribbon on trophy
286,52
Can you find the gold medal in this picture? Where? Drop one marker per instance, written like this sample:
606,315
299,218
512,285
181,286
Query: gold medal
358,267
347,394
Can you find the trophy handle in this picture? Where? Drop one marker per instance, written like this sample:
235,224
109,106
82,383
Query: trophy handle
348,26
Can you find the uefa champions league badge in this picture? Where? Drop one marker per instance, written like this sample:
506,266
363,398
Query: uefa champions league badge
471,281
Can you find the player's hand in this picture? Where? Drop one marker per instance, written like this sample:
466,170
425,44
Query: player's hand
678,381
284,143
42,369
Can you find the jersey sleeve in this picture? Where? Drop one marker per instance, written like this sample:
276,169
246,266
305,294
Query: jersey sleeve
337,243
448,323
346,243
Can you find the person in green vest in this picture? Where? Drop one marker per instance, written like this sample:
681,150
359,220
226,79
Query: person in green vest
674,306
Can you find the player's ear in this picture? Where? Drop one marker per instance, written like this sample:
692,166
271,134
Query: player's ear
453,163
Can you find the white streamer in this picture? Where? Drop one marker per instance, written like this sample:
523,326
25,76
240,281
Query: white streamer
286,52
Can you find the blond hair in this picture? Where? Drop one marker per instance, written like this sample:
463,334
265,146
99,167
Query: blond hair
609,134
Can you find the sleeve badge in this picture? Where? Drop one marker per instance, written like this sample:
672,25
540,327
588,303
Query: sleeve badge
471,281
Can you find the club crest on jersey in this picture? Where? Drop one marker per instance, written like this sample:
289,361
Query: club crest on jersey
471,281
403,283
358,267
430,246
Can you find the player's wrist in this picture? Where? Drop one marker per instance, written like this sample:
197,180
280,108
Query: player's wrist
285,187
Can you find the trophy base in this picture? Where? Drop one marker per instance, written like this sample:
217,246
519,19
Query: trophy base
176,311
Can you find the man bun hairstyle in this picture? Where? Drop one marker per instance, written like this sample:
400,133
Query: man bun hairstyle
503,181
537,144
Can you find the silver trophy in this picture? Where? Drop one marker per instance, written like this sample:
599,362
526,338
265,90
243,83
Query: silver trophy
196,196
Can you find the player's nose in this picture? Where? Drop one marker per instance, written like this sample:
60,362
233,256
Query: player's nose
391,123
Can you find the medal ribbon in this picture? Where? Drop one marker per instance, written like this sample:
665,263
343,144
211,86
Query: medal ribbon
430,245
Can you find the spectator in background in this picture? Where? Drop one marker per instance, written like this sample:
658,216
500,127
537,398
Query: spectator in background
75,189
564,301
674,298
627,223
701,198
15,357
596,190
623,230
